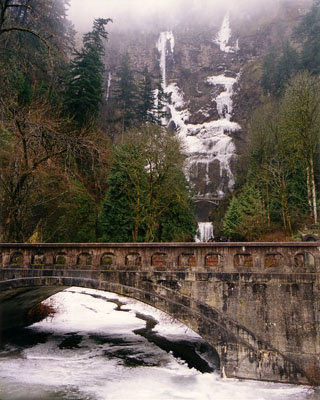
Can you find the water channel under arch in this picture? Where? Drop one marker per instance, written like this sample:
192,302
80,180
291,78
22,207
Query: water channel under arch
102,346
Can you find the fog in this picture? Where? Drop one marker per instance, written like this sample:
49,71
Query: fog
131,13
134,12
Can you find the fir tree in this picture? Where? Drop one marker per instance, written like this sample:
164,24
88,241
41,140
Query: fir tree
160,109
84,92
146,107
278,70
268,72
125,93
232,219
246,217
308,34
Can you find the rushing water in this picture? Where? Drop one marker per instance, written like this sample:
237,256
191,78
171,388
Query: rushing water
99,346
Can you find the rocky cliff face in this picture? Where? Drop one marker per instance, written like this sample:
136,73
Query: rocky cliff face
211,69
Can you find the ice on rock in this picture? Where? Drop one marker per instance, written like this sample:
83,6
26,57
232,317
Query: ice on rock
224,99
223,37
162,47
209,141
176,95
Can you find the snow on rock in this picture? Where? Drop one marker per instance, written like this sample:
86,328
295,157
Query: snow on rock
204,142
223,37
210,141
224,99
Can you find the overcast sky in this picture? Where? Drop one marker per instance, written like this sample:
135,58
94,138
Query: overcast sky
82,12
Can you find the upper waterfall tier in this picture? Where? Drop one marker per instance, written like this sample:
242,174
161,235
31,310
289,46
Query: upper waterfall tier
208,145
164,45
223,37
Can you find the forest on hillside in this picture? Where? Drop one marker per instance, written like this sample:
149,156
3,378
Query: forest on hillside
70,172
61,177
278,196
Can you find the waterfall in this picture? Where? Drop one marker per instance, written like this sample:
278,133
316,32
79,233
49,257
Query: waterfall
205,231
162,47
208,142
108,86
224,99
223,37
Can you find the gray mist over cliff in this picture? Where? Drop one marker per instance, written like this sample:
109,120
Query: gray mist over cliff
152,14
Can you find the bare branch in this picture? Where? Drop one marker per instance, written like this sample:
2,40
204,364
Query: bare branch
17,28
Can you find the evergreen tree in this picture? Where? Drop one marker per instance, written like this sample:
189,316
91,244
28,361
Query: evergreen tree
146,107
232,219
246,215
125,93
160,110
277,70
39,58
77,222
123,215
148,198
308,34
41,153
84,91
268,72
286,67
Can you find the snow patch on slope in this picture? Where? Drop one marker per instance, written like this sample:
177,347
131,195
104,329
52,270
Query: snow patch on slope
223,37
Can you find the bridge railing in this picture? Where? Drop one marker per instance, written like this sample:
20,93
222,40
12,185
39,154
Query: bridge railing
299,257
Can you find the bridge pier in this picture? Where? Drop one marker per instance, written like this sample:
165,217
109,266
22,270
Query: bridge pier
257,304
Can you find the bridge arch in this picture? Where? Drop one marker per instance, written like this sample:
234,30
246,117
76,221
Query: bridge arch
222,333
229,293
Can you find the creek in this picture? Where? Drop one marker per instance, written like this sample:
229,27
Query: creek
99,346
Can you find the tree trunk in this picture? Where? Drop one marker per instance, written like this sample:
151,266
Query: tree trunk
285,209
314,196
309,191
268,207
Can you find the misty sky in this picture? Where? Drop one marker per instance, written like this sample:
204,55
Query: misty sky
82,12
133,12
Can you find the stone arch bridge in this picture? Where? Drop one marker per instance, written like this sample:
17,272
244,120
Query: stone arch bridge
257,304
